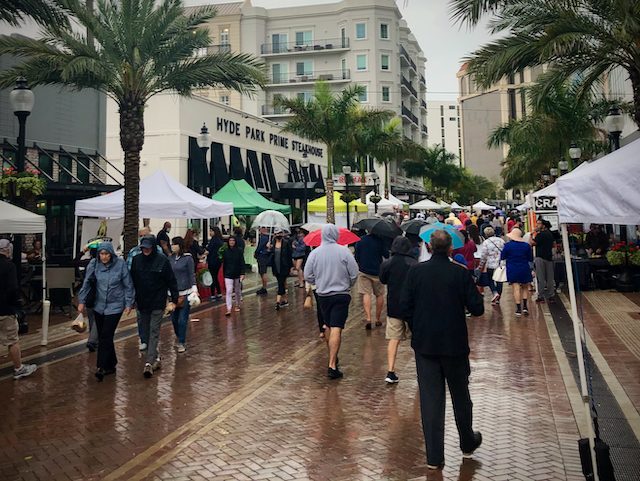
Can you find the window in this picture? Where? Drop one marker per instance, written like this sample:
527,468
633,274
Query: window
385,62
279,71
304,68
306,96
343,37
385,94
452,119
9,155
65,162
442,110
442,122
361,30
304,38
279,42
224,37
361,62
83,174
384,30
362,96
224,99
200,52
45,164
452,107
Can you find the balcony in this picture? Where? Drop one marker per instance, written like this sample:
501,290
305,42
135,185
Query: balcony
331,76
315,46
424,130
409,61
423,104
269,110
407,113
406,84
423,83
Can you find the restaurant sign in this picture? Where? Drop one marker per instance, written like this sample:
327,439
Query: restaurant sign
545,204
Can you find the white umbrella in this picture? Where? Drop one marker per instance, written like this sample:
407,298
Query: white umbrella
312,226
273,220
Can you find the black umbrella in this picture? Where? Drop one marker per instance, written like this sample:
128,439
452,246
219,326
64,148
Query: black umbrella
379,227
413,226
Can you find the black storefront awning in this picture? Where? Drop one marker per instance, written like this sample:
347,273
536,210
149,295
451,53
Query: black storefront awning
408,190
295,190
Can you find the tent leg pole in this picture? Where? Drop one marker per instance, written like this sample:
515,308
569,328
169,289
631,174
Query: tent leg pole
75,237
46,305
578,337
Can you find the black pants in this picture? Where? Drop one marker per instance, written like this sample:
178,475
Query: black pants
282,283
319,312
106,329
432,372
215,287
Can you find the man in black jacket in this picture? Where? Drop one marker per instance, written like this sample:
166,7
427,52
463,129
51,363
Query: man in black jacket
393,273
434,298
9,307
152,277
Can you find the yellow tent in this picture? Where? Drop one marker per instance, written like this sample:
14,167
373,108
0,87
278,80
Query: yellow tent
320,205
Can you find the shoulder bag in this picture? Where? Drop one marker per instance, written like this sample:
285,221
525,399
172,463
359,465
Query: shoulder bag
500,273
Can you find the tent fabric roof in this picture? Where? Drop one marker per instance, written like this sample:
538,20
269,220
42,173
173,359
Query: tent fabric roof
604,191
161,197
425,204
482,206
320,204
455,205
245,199
15,220
383,202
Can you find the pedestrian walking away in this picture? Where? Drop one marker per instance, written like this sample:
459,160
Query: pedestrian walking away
434,298
233,269
393,273
153,277
262,256
282,266
182,265
543,261
299,255
490,260
333,270
10,305
369,254
109,282
214,262
519,259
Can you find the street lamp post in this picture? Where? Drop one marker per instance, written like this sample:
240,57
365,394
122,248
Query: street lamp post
554,173
304,166
21,99
614,123
204,141
575,153
376,179
346,170
563,165
545,178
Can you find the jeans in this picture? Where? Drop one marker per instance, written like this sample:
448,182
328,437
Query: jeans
432,373
106,349
545,276
493,285
141,335
93,328
230,286
151,322
180,320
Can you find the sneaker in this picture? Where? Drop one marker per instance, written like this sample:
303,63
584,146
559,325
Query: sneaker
148,371
212,298
467,313
478,439
109,371
277,306
219,296
100,374
156,365
24,371
284,304
143,346
176,343
551,300
391,378
181,348
334,373
518,312
436,466
495,298
525,311
540,300
261,291
91,347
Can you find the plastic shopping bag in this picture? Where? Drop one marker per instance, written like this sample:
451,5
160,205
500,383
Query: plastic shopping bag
79,324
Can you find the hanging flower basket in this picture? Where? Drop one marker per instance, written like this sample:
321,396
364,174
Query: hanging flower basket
348,197
24,185
375,199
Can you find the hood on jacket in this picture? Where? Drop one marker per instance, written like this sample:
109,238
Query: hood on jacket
107,246
401,246
330,234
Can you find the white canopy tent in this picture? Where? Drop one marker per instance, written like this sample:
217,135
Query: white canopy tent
15,220
482,206
385,205
425,204
444,205
455,205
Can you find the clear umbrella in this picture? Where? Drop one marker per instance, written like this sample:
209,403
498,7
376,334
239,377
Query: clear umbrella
312,226
272,220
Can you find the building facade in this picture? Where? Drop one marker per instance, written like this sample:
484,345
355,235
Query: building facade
444,126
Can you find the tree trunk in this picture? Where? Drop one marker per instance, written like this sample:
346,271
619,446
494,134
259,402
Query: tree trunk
363,182
331,216
386,180
634,75
131,140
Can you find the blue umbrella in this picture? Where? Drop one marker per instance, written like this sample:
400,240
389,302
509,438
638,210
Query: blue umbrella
456,236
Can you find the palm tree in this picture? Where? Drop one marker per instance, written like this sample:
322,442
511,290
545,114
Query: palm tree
576,38
328,117
47,12
438,165
138,49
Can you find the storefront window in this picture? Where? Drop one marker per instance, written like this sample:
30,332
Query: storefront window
83,174
9,155
65,162
45,164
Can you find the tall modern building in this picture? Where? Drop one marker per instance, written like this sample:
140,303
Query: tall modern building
444,126
363,42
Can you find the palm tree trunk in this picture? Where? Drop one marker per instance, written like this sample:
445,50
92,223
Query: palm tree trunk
363,182
634,75
131,140
386,180
331,216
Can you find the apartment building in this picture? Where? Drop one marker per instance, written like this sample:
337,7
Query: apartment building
444,125
363,42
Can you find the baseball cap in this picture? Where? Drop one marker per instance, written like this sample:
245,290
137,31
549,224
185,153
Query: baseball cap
5,245
148,241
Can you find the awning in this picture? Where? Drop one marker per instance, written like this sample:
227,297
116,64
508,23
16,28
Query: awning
246,201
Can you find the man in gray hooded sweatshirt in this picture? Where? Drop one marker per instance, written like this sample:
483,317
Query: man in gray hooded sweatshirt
333,270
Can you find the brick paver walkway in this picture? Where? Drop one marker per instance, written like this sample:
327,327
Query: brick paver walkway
249,400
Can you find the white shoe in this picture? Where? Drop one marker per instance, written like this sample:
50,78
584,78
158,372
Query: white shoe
143,346
24,371
181,348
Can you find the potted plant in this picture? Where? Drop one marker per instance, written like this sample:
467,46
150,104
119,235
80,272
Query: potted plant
625,255
348,197
375,199
26,185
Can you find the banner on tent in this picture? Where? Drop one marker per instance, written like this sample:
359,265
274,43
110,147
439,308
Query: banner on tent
106,229
545,204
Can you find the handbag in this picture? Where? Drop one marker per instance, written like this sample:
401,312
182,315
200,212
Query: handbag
78,324
180,302
500,274
307,302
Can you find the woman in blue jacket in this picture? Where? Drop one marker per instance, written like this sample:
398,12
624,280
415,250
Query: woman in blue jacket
182,264
519,258
114,294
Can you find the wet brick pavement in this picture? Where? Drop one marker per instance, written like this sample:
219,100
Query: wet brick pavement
249,400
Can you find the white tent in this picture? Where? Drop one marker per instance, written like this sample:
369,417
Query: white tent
425,204
482,206
385,205
161,197
14,220
455,205
444,205
392,198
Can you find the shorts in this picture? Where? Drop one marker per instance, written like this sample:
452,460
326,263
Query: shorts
397,329
335,309
262,265
368,284
8,330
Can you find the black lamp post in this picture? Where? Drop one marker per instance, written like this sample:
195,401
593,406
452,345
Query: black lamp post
204,141
575,153
376,181
563,165
346,170
21,99
614,123
304,166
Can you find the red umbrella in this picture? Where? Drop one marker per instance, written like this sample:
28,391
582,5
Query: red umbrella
313,239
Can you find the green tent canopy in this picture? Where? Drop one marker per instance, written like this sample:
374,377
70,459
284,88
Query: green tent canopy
246,201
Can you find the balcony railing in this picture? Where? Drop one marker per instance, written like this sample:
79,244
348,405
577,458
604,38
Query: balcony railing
406,55
424,129
423,104
407,84
312,46
422,80
270,110
406,112
293,78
